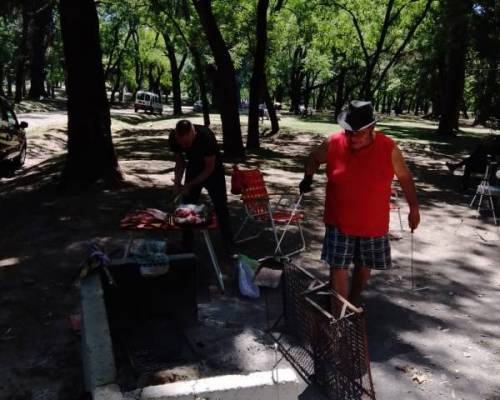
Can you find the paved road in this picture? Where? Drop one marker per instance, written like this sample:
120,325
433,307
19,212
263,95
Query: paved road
40,119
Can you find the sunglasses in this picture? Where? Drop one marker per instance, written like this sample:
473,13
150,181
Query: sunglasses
358,133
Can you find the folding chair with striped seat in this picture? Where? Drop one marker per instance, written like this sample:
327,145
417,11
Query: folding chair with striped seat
259,210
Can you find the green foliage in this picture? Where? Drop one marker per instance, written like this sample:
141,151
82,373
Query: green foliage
133,34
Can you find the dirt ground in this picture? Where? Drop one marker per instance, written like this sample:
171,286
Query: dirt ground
438,341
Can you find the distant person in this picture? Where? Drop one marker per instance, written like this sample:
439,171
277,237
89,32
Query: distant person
197,154
360,165
487,150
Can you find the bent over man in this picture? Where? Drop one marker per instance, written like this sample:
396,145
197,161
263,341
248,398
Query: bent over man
197,153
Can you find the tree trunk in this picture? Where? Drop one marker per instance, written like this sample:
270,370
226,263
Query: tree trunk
275,127
389,104
139,74
376,106
121,98
320,100
21,55
202,86
463,106
486,98
41,26
2,70
409,106
175,72
226,78
416,110
257,79
9,84
339,97
91,154
116,86
384,102
278,93
456,13
296,79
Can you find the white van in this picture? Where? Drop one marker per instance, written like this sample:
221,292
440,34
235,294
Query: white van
148,101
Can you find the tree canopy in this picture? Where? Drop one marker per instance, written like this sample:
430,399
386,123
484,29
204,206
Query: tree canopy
432,57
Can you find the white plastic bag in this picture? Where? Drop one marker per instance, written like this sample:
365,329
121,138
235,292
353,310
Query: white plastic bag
246,273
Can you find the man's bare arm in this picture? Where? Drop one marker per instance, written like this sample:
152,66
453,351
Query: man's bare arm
407,185
317,157
314,160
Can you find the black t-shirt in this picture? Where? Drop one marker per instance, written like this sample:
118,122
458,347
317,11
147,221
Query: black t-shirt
204,145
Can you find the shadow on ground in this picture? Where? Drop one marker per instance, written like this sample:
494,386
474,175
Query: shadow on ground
45,235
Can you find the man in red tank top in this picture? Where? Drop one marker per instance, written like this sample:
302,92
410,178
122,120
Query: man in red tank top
360,165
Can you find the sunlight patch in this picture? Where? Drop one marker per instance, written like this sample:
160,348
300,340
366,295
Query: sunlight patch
10,262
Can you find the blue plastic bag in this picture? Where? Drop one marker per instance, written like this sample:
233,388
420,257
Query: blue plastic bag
246,273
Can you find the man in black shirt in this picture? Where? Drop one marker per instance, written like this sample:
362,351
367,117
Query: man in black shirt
197,153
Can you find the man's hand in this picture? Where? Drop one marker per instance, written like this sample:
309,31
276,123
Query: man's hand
305,185
414,218
180,189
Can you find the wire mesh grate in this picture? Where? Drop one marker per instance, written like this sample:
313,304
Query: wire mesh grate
331,352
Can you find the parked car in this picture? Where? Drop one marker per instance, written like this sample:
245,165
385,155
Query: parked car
13,142
148,101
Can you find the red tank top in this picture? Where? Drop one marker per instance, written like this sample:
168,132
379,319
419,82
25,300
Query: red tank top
359,186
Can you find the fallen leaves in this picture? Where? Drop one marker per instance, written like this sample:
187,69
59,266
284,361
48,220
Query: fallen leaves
416,375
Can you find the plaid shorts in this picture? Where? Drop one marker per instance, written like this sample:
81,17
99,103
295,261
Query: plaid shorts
340,250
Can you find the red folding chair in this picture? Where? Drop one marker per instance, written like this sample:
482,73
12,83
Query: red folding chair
260,211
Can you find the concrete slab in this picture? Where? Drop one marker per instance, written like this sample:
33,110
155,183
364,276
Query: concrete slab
107,392
280,383
97,351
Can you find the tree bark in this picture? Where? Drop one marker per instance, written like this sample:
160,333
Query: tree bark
41,25
139,72
339,97
175,72
456,13
225,78
22,54
257,79
384,102
463,106
275,127
320,100
91,154
198,65
202,86
486,98
9,84
2,71
116,85
296,79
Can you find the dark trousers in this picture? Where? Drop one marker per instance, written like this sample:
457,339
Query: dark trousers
216,187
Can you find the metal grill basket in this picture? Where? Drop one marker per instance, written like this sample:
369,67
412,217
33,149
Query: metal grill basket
326,349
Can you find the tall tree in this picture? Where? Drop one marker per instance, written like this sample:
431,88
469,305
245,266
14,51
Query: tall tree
224,79
485,37
175,69
191,40
91,154
42,18
456,21
394,49
22,50
258,76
